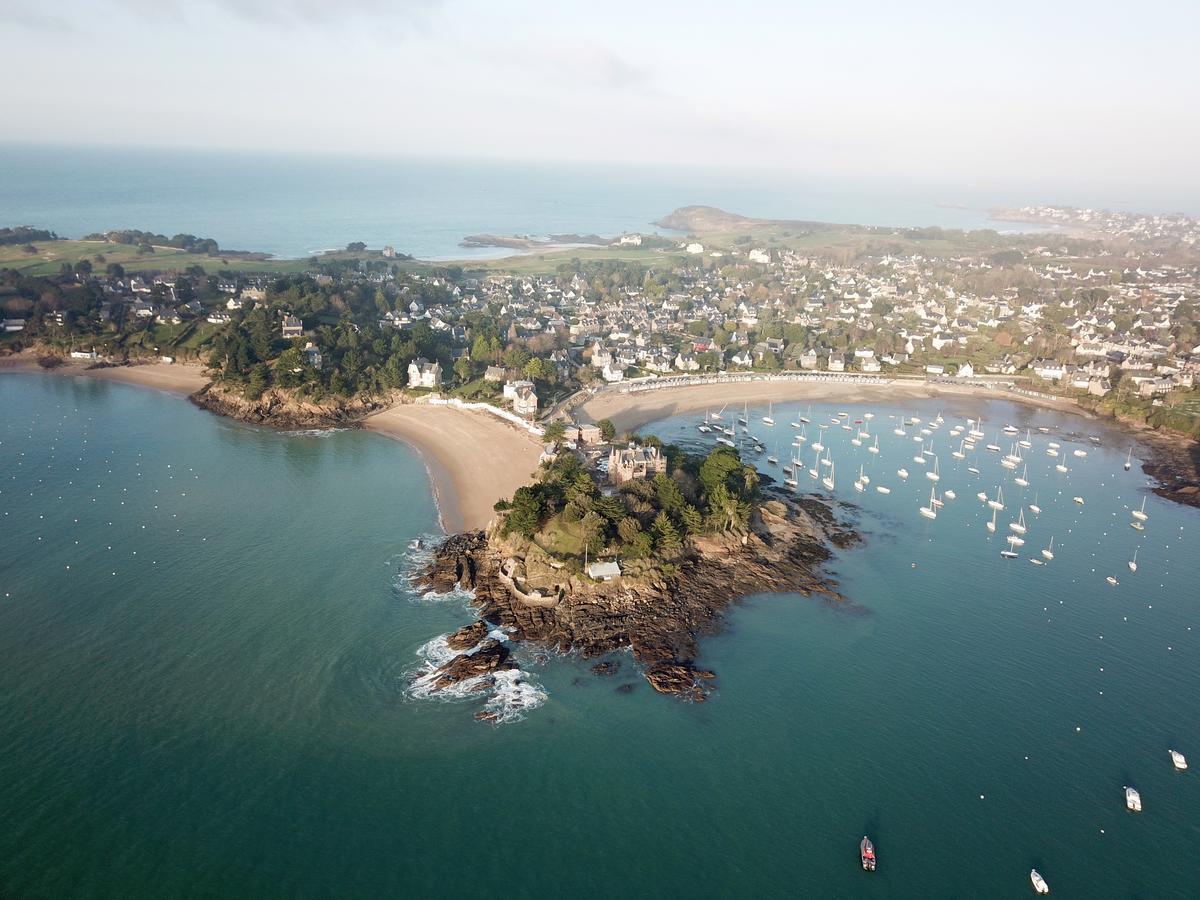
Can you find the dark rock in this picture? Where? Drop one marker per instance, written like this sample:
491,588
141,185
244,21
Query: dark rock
492,656
610,667
468,636
626,688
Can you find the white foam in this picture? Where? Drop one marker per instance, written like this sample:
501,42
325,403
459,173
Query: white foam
510,693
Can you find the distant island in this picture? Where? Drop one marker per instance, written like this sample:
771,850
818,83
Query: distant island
644,555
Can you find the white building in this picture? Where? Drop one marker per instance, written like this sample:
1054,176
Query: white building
424,374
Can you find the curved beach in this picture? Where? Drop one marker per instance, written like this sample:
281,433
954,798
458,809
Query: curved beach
473,459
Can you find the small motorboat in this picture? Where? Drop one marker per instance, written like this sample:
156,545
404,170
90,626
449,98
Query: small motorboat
1039,883
1178,760
1133,800
1112,579
866,850
1009,554
1078,500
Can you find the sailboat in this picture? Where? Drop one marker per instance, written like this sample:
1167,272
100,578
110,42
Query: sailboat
1048,553
1133,562
874,448
1062,467
899,431
717,415
814,472
828,479
998,502
959,453
1034,508
991,526
1140,514
1027,443
806,419
859,484
1023,478
1016,541
742,420
934,475
1129,458
903,473
929,511
769,418
1019,525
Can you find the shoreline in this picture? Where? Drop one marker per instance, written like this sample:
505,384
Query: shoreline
182,379
472,459
630,411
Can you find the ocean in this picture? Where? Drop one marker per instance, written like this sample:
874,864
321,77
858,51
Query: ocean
207,639
294,206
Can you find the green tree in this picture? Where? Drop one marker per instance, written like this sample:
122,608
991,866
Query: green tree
525,514
555,431
462,370
608,430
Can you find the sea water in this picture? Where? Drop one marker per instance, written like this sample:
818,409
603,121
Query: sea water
294,205
215,699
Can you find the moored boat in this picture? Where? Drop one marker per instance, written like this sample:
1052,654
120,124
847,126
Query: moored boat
1178,760
1039,883
866,851
1133,800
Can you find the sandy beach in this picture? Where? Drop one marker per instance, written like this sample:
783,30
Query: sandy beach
177,378
630,411
473,459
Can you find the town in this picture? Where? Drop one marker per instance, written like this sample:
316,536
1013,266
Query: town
1109,319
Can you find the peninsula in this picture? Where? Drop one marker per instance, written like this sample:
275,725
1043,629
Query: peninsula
643,555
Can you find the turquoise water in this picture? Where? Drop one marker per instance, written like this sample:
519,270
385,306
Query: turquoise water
297,205
228,714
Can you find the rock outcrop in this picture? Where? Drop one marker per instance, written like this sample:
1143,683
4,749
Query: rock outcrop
660,618
282,409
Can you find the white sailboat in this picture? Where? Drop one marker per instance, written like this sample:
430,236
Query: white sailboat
935,474
806,419
1129,459
1133,562
1034,508
743,418
769,418
882,489
930,512
1062,467
874,448
903,473
1140,514
1027,443
1016,541
1023,478
1019,525
991,526
998,501
960,452
899,431
1048,553
828,479
717,415
859,484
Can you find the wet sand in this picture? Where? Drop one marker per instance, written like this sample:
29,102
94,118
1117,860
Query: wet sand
177,378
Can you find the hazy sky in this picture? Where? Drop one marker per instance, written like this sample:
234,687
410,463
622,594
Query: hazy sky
1014,90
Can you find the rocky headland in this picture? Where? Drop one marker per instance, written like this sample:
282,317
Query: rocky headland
659,615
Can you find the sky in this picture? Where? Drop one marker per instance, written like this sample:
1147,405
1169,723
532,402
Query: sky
1012,90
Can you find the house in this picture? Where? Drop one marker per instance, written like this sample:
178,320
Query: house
694,248
291,328
220,318
11,325
523,396
627,463
612,373
630,240
808,359
85,354
494,373
685,362
583,433
1048,369
424,374
144,310
871,365
837,363
743,358
758,255
234,303
603,571
935,369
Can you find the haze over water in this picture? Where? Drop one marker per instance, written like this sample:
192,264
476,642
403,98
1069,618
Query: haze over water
293,206
228,713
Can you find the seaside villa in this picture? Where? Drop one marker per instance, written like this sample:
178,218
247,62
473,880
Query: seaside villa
424,374
634,462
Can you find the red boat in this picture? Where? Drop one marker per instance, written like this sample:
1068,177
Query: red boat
867,851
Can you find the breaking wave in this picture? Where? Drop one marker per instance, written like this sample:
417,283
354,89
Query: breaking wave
508,694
